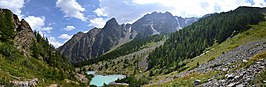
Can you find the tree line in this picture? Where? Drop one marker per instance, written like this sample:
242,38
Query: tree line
192,40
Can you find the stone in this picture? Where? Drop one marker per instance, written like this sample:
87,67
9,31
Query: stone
231,85
225,69
196,82
264,81
261,67
229,76
222,81
244,61
248,79
236,77
240,85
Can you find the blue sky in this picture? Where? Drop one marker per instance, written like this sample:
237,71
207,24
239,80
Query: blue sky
58,20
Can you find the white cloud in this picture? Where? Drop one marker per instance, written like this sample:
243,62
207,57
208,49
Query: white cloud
54,42
100,12
14,5
71,8
37,24
65,36
69,28
97,22
127,11
47,29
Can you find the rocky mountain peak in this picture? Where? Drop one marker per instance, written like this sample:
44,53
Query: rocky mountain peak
98,41
111,22
24,37
23,34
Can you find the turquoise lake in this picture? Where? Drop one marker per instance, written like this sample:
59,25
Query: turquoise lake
99,80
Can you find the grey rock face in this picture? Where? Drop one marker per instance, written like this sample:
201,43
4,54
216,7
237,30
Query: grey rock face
98,41
24,35
84,46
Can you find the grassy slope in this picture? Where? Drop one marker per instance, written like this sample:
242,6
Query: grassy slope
14,66
127,64
256,33
25,69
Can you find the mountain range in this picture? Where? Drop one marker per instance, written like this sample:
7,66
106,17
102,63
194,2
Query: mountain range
84,46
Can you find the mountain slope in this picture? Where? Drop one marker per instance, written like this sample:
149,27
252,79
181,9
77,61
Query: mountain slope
113,35
242,57
26,58
188,42
228,45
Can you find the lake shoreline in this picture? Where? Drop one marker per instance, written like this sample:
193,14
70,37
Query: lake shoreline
100,80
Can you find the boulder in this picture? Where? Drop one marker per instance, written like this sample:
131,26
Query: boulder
244,61
264,81
229,76
196,82
240,85
231,85
225,69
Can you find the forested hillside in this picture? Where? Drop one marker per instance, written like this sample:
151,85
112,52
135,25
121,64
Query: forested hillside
194,39
27,58
127,48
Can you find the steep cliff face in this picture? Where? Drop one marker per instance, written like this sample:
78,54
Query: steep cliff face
183,22
155,23
98,41
108,37
21,31
71,43
24,36
26,56
83,48
94,43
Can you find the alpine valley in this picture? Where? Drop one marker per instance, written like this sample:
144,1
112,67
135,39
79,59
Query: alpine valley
158,50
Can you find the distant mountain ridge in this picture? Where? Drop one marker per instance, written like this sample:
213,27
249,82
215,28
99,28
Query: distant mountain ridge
84,46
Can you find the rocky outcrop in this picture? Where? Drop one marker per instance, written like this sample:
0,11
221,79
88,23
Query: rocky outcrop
71,43
24,37
229,66
29,83
23,33
98,41
95,42
232,60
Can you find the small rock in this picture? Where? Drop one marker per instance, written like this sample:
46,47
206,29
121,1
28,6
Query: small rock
245,61
261,67
196,82
230,76
231,85
240,85
248,79
222,81
225,69
209,80
264,81
257,70
236,77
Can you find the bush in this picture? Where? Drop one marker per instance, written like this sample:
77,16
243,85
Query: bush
9,51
